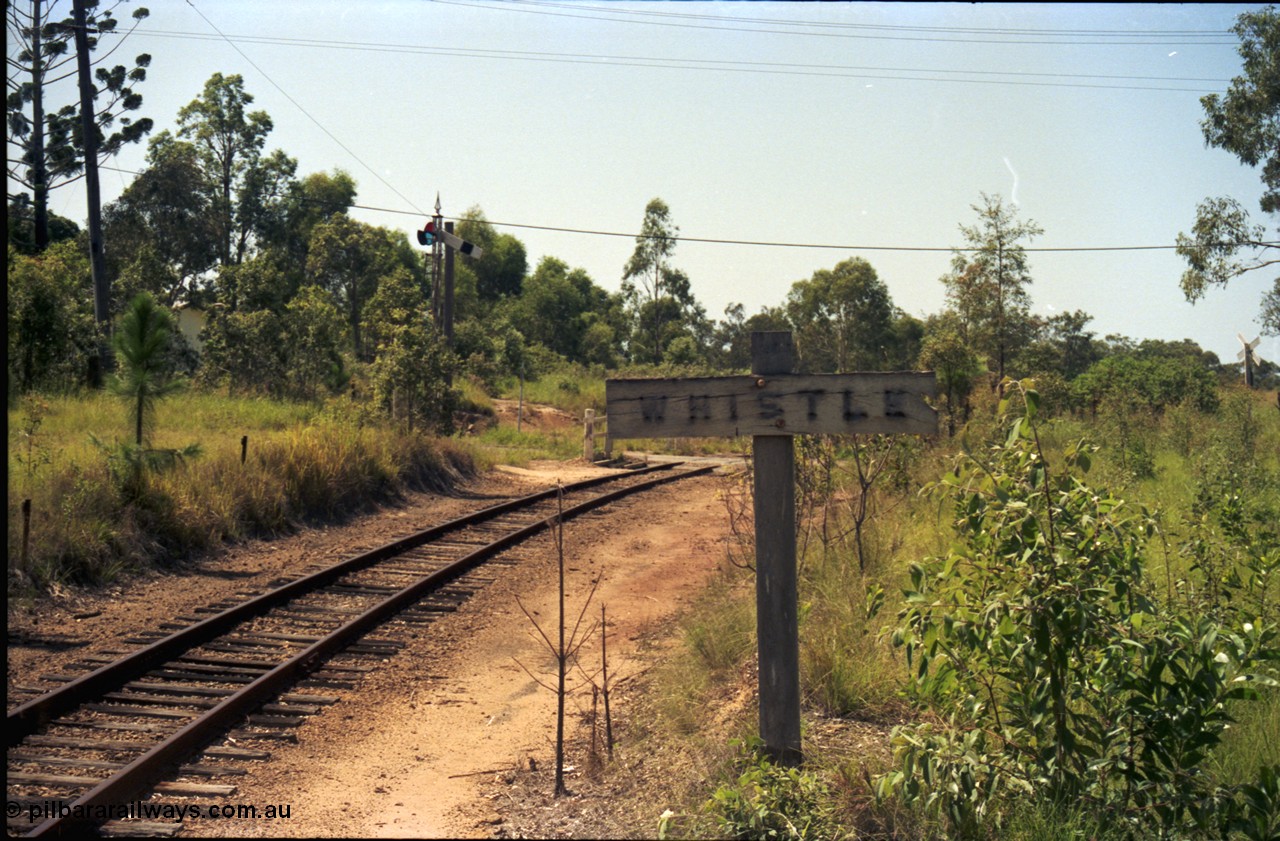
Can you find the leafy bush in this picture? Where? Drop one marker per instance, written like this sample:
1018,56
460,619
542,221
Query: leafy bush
773,801
49,321
1154,382
1055,672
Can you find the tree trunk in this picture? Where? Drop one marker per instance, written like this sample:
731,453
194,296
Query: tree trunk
137,438
89,128
1000,326
657,312
39,175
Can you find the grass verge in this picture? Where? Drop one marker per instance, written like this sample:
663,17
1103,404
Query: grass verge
87,526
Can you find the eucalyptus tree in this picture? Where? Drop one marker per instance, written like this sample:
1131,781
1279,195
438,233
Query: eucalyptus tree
732,336
647,265
307,202
842,317
1063,346
501,271
243,185
987,285
161,235
558,306
1245,122
350,259
947,351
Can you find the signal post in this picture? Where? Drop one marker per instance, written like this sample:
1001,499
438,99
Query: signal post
438,235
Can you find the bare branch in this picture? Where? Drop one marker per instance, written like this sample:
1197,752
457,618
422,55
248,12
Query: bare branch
572,651
537,627
583,612
536,679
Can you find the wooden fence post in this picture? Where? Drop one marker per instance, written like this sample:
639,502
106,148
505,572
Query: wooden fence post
26,535
777,624
589,434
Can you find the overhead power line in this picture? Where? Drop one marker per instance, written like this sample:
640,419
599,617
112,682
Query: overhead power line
1011,37
1000,30
758,243
1013,77
781,244
305,112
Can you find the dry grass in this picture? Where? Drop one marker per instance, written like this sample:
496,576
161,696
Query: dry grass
87,526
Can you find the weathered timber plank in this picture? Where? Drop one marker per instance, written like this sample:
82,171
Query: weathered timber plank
135,747
140,829
778,404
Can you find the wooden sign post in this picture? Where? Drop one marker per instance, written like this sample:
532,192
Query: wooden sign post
771,405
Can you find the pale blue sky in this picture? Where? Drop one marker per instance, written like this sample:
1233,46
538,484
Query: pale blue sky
873,125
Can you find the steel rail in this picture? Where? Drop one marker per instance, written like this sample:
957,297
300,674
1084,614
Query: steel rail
29,717
150,767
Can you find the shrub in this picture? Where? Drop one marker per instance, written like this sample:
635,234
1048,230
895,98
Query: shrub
50,325
773,801
1056,674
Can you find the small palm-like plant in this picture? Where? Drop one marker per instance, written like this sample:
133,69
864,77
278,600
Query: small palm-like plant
140,342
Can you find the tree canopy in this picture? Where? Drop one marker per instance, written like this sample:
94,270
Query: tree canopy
239,181
1224,242
988,282
843,318
51,135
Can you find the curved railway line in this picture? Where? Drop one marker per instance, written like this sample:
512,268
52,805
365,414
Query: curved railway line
167,718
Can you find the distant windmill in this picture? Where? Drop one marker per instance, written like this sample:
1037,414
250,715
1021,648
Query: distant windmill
1249,356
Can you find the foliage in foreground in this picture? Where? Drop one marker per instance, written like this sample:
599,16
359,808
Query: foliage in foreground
773,801
1057,672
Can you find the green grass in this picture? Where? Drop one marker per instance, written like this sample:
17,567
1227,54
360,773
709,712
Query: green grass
1252,742
474,397
1034,821
88,526
504,445
573,389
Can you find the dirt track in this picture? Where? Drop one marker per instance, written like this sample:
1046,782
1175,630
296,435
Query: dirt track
454,709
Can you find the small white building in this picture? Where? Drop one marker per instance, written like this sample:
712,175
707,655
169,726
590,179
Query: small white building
191,321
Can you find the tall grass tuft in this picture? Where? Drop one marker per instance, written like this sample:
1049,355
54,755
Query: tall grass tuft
301,465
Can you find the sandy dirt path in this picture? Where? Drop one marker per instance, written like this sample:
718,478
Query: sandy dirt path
414,753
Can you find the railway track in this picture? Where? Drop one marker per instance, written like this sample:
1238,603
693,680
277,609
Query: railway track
168,720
